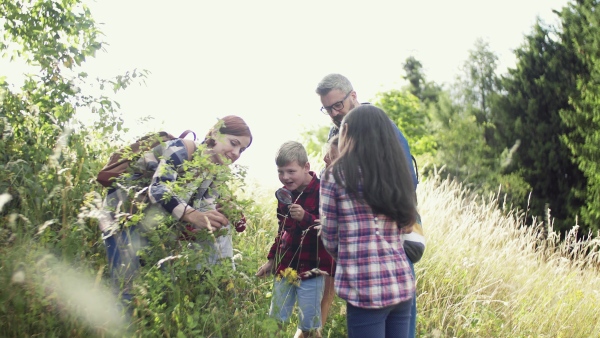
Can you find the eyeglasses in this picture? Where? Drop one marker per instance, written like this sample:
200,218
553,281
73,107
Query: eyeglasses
336,106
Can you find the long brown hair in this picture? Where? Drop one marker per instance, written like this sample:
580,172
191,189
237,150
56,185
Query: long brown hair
372,165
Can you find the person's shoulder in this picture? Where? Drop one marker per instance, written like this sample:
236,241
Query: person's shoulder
315,181
327,178
180,147
334,130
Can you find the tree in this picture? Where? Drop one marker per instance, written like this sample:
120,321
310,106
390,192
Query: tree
536,90
480,86
406,111
49,158
581,28
480,82
427,92
40,123
463,122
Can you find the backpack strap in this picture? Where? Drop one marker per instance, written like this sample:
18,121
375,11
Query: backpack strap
190,146
416,168
185,133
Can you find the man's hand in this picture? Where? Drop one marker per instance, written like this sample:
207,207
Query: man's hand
266,269
296,212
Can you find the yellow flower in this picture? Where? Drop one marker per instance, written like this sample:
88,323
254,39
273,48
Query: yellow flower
290,275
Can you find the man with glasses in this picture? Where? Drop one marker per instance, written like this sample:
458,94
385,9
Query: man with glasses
338,98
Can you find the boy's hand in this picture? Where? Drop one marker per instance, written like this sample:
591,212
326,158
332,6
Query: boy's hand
296,212
266,269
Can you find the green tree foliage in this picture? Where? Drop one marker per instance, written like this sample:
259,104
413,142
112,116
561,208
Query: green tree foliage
581,29
39,148
315,140
48,162
408,113
536,90
461,146
462,120
480,86
40,131
427,92
52,257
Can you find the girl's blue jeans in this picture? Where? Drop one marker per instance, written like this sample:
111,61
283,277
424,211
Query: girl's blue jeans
392,321
412,327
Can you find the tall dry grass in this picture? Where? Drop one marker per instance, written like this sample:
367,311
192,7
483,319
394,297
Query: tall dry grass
486,274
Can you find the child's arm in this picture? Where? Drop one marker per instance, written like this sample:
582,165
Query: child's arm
328,210
266,269
164,163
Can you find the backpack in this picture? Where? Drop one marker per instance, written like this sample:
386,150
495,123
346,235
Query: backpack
416,168
120,160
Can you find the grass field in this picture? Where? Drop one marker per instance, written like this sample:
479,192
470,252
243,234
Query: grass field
484,274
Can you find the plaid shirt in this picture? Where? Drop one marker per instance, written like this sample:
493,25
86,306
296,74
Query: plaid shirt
165,161
414,242
372,269
298,244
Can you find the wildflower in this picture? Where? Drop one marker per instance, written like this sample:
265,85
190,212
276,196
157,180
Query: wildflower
290,275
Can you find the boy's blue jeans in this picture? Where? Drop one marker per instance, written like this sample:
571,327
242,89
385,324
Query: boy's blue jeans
308,295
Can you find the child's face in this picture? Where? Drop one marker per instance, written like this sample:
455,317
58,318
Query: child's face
294,176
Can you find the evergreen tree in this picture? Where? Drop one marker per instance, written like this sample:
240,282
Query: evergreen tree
426,92
480,86
581,22
463,120
537,89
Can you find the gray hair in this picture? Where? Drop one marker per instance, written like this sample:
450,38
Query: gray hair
289,152
334,81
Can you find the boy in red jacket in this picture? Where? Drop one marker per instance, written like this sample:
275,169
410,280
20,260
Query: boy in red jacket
297,257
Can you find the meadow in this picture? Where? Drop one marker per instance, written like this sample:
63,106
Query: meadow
484,274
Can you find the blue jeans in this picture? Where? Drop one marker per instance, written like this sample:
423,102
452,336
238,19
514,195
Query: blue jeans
123,261
392,321
308,295
412,327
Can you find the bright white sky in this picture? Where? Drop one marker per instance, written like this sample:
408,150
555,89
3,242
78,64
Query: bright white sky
262,60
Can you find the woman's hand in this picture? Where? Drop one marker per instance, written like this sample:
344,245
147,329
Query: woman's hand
210,220
266,269
296,212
